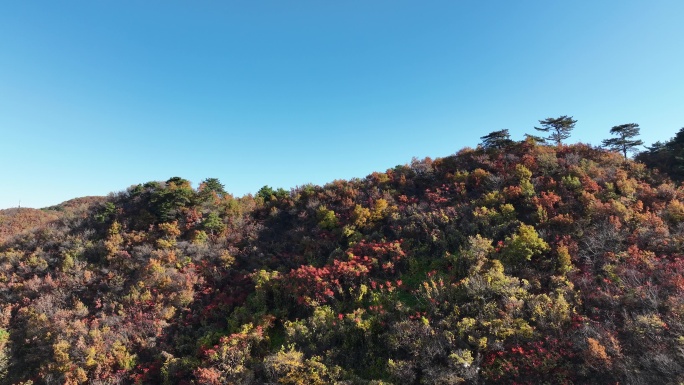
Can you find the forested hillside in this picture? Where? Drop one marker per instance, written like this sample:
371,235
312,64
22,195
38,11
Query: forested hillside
17,220
510,263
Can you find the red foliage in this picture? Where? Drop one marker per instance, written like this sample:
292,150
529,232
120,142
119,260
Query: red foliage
546,361
548,200
320,285
589,184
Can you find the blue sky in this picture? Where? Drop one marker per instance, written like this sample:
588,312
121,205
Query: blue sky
96,96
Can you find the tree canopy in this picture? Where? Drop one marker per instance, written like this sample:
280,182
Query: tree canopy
559,128
625,141
496,139
667,157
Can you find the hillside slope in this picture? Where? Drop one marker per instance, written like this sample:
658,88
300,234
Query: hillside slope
17,220
532,264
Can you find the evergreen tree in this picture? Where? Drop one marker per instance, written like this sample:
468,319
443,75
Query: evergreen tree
535,138
496,139
559,128
625,141
667,157
210,186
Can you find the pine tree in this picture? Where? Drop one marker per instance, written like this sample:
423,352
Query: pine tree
496,139
625,141
668,157
559,128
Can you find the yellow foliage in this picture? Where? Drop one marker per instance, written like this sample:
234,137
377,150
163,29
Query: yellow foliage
115,229
483,212
360,216
290,368
479,173
648,324
465,326
184,297
90,360
170,229
492,198
166,243
564,262
199,237
626,185
114,240
379,209
675,211
596,353
227,259
523,245
168,312
522,172
123,358
507,211
462,357
262,277
80,376
60,353
155,268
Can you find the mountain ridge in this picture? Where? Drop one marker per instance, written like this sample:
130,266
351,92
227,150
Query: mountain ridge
525,264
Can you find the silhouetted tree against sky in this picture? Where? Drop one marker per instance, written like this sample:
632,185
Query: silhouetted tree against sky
667,157
625,141
559,128
496,139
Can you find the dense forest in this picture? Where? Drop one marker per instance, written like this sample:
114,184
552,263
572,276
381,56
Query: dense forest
514,263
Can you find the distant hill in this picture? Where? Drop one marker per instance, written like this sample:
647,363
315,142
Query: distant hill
526,264
17,220
77,205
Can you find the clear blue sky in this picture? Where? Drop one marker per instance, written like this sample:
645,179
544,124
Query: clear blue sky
98,95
